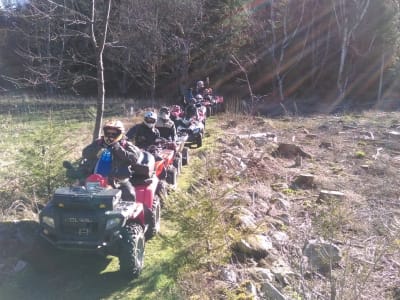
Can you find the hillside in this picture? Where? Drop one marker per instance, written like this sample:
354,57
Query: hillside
289,208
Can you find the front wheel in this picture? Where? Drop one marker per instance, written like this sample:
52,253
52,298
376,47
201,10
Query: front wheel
155,218
199,141
131,252
185,156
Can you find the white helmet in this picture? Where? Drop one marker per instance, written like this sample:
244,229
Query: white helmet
199,97
200,84
150,119
164,113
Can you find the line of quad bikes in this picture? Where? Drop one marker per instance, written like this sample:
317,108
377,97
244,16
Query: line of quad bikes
92,216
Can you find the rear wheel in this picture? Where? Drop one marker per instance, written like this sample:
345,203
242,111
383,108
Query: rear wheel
155,218
162,191
185,156
178,163
208,111
131,253
171,175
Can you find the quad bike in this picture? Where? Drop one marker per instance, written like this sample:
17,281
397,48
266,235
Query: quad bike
176,112
193,128
94,217
219,104
164,165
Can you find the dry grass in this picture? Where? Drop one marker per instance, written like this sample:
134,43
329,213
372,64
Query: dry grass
365,224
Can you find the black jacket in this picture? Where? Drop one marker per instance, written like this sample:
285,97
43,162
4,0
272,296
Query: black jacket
143,136
167,129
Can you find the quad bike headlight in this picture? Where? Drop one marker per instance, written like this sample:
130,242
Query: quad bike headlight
113,222
196,130
49,221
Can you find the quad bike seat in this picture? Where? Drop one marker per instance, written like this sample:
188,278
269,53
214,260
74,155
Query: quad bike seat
143,170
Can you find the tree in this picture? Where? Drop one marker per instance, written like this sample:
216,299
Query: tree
99,38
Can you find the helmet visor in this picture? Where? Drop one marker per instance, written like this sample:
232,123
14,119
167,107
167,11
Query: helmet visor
111,133
150,120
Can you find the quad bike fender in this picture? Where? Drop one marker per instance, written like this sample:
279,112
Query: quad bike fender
159,167
167,155
145,193
130,212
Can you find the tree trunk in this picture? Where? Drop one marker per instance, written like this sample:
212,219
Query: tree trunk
100,68
381,78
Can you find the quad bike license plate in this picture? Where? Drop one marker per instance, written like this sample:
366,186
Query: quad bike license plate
83,231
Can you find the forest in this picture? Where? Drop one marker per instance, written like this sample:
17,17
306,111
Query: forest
326,50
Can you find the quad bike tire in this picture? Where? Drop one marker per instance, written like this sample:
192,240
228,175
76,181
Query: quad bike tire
131,252
172,176
199,141
162,192
155,218
178,164
185,156
209,111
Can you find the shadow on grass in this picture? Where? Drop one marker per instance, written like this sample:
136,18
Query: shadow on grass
56,274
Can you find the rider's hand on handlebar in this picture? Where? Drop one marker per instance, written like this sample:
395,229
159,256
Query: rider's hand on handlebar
160,140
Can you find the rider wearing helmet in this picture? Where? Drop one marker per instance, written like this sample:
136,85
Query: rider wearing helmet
200,87
112,156
145,134
165,125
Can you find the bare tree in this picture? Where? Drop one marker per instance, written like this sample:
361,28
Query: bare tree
99,48
290,25
347,19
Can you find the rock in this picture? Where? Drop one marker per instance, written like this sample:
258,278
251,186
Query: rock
255,245
304,181
269,291
322,255
325,144
394,134
279,238
281,204
290,151
281,271
396,293
244,218
325,195
261,274
251,288
227,274
311,136
366,135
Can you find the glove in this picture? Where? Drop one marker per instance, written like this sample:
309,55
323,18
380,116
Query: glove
115,145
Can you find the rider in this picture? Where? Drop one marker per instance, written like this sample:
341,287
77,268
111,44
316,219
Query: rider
145,134
191,111
165,125
199,88
112,156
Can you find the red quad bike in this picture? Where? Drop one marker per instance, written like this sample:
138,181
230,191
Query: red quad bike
176,112
219,104
169,164
94,217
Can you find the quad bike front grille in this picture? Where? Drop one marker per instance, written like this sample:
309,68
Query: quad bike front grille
79,226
